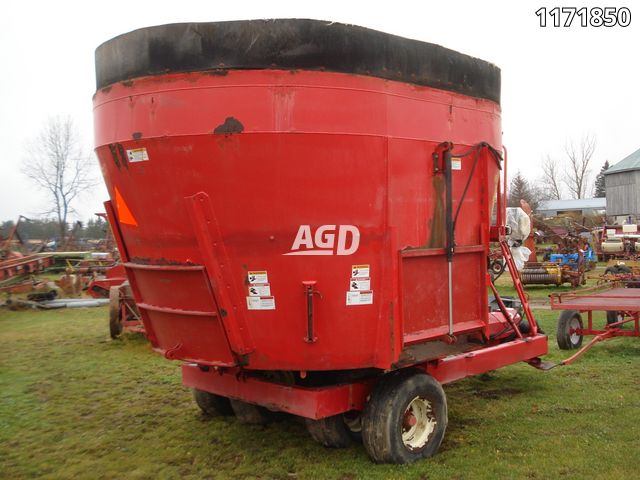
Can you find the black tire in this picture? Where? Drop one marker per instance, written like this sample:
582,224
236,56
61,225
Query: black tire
569,320
115,317
212,405
251,414
617,269
387,433
626,270
613,317
331,432
497,267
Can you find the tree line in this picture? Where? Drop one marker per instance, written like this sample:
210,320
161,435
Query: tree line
562,177
49,229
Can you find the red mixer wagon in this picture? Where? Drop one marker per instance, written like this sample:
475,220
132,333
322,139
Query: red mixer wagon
304,211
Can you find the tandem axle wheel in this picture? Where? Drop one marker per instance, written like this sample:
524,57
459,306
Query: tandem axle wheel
404,419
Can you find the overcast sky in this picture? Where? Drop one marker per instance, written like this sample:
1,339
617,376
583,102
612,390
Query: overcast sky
557,83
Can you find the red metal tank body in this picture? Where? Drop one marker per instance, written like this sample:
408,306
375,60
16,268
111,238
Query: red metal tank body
232,189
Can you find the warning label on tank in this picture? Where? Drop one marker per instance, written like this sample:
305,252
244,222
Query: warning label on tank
258,277
261,303
260,290
360,271
456,164
359,284
137,155
360,298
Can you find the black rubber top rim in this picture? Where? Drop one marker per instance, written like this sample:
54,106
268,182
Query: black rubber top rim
292,44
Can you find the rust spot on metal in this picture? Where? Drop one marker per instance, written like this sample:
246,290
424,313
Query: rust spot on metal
114,154
230,125
218,72
136,135
106,89
127,83
123,155
160,261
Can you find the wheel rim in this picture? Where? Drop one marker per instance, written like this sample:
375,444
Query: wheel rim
574,325
353,422
418,423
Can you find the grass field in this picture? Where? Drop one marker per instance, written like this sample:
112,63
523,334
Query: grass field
75,404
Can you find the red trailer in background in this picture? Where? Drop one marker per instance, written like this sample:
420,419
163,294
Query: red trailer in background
100,287
303,210
619,299
124,315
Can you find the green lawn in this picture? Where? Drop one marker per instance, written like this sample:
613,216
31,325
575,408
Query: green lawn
75,404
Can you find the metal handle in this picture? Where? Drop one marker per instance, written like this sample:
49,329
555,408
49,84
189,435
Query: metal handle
309,291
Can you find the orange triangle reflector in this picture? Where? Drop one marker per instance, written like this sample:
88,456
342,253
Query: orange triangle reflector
124,214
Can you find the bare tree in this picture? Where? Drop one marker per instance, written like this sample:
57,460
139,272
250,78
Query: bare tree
577,174
551,178
57,164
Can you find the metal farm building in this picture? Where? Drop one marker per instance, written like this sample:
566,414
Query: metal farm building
622,182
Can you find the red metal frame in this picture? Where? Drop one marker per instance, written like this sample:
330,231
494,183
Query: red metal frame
130,325
306,402
456,367
24,265
608,297
331,400
114,276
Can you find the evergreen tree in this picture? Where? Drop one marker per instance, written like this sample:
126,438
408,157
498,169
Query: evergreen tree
519,189
600,189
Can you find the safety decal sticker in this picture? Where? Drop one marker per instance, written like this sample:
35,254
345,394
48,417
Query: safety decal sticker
360,271
258,277
137,155
456,164
360,298
261,303
360,292
359,284
260,290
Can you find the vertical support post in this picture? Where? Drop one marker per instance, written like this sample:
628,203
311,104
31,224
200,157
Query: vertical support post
506,253
450,246
503,211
